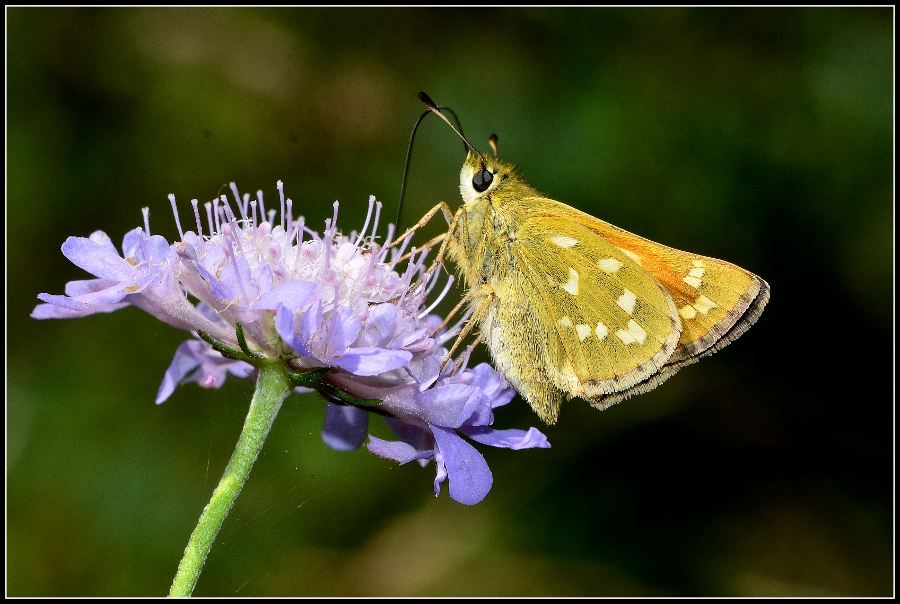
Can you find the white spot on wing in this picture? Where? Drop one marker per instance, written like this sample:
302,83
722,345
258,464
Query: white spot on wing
637,331
572,285
631,255
704,304
626,301
697,263
693,278
609,265
625,336
563,241
687,312
583,331
565,322
601,330
692,281
635,334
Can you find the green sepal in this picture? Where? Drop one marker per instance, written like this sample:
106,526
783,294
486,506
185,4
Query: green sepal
226,351
239,332
308,377
349,399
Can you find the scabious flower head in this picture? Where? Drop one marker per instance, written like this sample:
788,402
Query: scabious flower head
341,313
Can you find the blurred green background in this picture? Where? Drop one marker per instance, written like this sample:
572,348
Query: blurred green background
764,137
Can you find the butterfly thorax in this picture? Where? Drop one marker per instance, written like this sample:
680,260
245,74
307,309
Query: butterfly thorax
489,220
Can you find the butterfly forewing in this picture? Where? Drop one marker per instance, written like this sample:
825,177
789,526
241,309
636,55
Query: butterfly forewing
610,326
712,296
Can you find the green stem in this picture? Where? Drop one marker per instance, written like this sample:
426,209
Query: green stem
272,387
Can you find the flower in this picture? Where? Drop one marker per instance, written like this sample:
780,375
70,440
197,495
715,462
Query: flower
334,309
463,402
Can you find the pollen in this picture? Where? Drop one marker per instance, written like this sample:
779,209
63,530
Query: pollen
609,265
626,301
563,241
583,331
572,285
704,304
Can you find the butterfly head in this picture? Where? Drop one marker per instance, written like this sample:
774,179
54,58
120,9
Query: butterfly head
482,175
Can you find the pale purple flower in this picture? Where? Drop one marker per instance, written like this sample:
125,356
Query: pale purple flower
428,423
338,311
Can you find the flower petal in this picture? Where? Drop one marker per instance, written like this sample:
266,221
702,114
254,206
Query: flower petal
63,311
98,259
196,361
450,405
292,295
507,439
372,361
183,363
491,382
345,427
399,451
344,326
470,477
284,325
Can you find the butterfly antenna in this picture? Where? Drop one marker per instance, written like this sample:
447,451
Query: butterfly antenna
493,142
437,110
412,137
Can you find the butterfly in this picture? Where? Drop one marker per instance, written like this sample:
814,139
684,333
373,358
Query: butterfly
572,306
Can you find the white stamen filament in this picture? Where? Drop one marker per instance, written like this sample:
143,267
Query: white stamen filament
216,215
388,237
280,187
177,217
209,218
237,198
262,208
195,204
451,332
437,301
362,231
377,217
290,217
230,238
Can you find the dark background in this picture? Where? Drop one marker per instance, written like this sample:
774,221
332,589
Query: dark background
764,137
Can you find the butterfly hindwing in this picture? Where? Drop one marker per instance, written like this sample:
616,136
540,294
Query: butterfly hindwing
609,325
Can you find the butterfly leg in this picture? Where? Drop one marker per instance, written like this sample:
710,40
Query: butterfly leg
453,220
464,357
448,216
479,312
452,313
427,245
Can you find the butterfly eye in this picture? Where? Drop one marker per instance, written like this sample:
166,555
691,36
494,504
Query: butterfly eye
482,180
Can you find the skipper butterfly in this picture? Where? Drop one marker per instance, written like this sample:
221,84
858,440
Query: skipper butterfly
572,306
